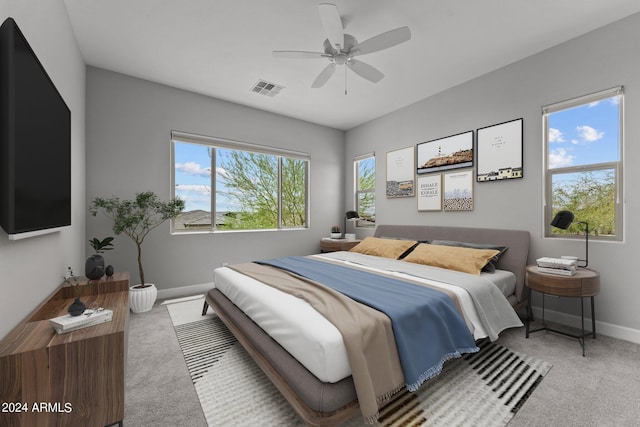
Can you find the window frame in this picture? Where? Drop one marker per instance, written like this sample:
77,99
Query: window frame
616,166
215,143
358,191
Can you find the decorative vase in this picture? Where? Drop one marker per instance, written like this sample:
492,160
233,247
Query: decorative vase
108,270
141,299
77,307
94,267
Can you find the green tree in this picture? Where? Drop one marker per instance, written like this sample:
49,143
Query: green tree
366,189
251,182
591,198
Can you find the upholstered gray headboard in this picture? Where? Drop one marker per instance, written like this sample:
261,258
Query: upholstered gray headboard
514,259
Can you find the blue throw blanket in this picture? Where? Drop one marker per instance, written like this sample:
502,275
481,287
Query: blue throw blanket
427,326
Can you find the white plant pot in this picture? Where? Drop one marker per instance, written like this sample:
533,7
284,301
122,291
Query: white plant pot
336,235
141,299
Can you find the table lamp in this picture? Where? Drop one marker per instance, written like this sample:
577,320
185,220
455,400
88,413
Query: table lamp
351,216
563,220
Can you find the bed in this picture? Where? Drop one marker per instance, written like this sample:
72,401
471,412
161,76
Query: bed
304,359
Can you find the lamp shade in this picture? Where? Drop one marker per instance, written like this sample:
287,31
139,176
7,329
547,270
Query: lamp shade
351,215
562,220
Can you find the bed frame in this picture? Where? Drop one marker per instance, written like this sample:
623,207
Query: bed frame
325,404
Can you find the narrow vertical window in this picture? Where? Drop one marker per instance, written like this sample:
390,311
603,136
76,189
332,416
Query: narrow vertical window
365,183
583,163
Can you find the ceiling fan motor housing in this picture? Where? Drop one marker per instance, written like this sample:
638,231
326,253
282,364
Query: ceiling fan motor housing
349,43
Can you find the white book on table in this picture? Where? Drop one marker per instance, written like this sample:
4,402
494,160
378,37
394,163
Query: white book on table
558,271
561,263
68,323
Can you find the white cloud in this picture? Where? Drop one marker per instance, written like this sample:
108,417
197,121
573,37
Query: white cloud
589,134
184,189
560,158
222,172
555,135
193,168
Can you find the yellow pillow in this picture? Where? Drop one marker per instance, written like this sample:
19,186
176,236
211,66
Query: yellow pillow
387,248
466,260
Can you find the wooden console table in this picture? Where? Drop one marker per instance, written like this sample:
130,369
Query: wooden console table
72,379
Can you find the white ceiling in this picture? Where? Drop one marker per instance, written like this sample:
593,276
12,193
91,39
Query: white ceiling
221,48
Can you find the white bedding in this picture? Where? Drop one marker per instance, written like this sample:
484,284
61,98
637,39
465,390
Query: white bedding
316,343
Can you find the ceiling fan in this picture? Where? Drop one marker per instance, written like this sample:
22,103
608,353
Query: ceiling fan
341,48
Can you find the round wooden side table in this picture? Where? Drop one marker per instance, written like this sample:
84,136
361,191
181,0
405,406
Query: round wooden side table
585,283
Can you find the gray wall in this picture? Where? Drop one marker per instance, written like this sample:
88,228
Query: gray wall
128,147
599,60
31,269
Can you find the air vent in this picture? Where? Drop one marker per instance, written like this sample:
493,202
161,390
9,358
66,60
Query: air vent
266,88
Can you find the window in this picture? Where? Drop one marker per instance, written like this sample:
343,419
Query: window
253,187
365,186
583,163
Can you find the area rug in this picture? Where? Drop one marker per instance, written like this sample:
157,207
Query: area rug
482,389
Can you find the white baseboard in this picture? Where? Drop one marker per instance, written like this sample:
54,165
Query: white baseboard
185,291
608,329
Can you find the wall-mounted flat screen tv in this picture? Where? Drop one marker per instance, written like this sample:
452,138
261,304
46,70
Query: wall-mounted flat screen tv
35,142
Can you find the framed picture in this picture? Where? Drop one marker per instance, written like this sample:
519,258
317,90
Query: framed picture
442,154
430,192
400,175
458,191
500,151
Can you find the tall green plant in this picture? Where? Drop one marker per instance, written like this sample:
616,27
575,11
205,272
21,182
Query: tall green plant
136,218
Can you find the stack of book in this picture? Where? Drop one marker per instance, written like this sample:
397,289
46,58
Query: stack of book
68,323
562,266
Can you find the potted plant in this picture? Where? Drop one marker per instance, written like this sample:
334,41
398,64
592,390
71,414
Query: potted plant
94,265
136,218
336,232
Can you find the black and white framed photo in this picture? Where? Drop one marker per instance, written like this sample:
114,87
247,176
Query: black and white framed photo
400,172
500,151
430,192
458,191
447,153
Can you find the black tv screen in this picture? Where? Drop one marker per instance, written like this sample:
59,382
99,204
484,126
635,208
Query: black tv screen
35,142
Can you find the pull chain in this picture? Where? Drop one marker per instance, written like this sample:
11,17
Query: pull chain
345,80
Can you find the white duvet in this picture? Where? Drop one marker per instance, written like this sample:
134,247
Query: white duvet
306,334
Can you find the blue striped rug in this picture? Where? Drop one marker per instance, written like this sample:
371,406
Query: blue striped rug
483,389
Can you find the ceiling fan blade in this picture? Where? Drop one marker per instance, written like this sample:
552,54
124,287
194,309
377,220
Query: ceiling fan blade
298,54
365,71
384,40
324,75
331,23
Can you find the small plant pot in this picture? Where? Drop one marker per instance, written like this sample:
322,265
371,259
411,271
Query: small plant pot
141,299
336,235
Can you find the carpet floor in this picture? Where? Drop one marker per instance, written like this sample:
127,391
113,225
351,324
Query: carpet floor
482,389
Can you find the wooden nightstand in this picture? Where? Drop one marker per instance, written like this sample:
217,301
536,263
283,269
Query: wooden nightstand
585,283
333,245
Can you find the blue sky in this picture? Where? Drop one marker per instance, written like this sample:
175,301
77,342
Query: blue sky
193,177
584,135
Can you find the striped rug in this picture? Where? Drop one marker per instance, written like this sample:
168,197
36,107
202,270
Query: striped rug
483,389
